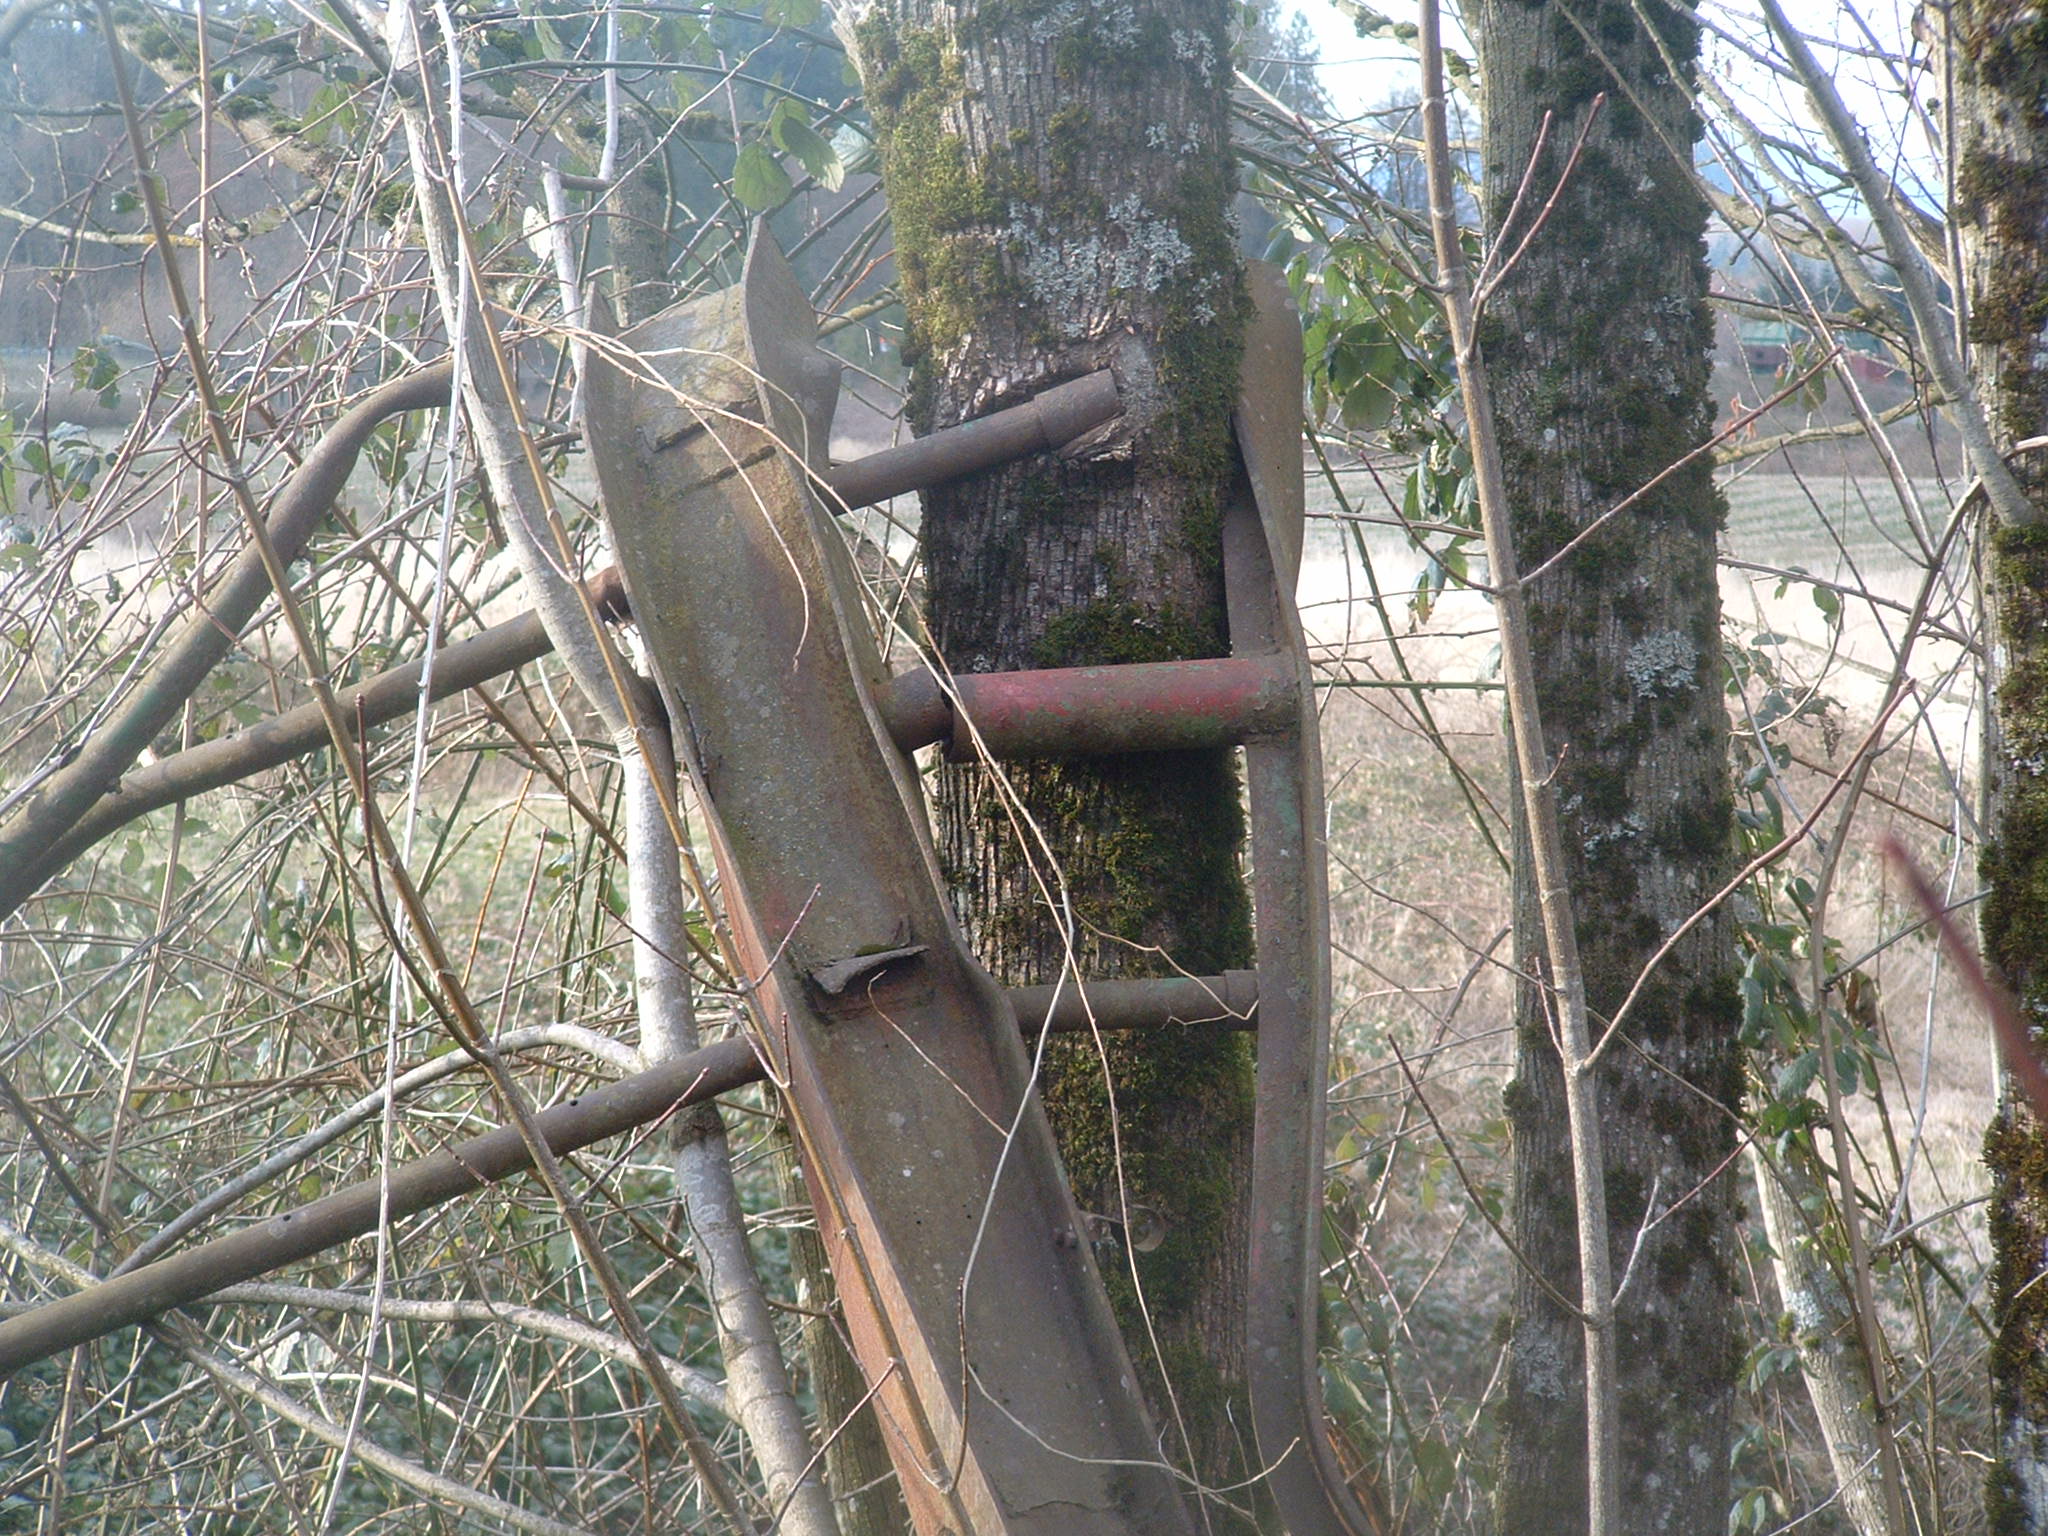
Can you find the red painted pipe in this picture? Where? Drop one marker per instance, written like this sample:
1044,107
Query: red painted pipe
1156,706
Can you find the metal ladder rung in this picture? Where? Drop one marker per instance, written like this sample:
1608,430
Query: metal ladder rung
1153,706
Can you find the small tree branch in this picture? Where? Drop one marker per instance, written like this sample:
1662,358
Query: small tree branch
110,745
183,1278
758,1380
281,1403
706,1391
1567,980
364,1110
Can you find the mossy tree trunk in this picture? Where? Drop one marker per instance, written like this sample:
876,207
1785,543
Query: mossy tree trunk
1059,178
1598,346
1998,58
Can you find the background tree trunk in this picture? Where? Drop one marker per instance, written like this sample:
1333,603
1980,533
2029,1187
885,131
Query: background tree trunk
1059,180
1598,343
1998,72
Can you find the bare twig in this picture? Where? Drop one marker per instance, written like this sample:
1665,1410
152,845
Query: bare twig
1472,1194
1491,276
1916,281
1532,757
1704,450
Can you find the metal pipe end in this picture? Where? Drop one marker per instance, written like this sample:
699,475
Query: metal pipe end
915,709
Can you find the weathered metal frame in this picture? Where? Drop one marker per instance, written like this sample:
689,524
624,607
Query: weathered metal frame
1263,530
1261,696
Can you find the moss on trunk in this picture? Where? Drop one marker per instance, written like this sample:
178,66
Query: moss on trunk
1059,179
1998,57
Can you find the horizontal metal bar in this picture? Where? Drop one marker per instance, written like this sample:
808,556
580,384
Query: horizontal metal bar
387,695
349,1213
196,1273
1077,711
1156,706
1047,420
1334,684
1231,1000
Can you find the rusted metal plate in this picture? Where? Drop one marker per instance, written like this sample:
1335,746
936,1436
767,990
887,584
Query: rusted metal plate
1262,541
1007,1397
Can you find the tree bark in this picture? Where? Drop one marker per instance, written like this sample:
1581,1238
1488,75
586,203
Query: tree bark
1997,58
1823,1317
1598,340
1059,179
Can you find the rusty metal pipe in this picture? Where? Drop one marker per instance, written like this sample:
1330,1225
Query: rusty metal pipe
351,1212
1155,706
1046,421
196,1273
1231,1000
1144,707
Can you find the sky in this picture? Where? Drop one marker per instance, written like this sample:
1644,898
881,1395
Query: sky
1360,72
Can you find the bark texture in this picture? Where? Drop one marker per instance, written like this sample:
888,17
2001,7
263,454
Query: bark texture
1598,344
1831,1356
1059,178
1998,58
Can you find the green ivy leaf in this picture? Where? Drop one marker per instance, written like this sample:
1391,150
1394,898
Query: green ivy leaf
1797,1075
1436,1467
799,138
758,179
95,372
